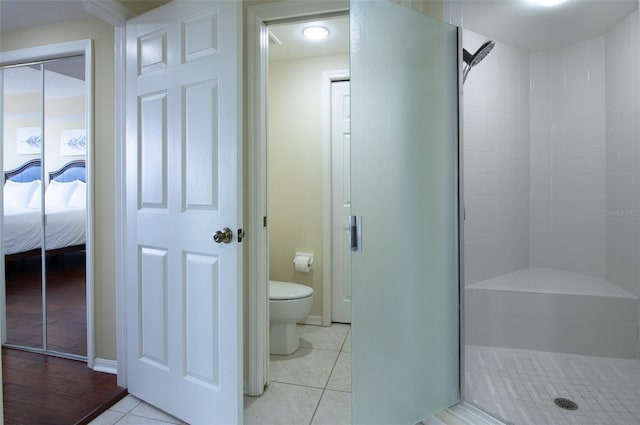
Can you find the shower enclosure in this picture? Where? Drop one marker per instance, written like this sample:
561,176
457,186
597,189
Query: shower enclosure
552,230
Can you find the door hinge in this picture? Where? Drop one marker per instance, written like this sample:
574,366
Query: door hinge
264,221
240,235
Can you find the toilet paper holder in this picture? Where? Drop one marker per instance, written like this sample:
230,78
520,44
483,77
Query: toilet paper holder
303,262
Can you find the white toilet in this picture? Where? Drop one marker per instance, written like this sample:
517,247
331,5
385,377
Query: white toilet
288,304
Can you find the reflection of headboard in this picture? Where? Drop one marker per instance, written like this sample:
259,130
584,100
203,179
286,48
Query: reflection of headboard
27,172
74,170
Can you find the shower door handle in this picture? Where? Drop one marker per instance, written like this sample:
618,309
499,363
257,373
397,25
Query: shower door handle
355,226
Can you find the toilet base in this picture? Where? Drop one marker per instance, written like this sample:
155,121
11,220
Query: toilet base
284,338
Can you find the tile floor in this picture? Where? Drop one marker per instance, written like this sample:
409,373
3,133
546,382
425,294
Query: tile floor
132,411
520,385
311,386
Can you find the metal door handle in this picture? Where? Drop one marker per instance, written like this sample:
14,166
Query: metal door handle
225,235
356,232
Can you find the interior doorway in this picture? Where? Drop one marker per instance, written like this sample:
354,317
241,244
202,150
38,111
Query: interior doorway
299,167
305,162
400,145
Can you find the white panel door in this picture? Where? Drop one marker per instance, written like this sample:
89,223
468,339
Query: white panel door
183,172
341,202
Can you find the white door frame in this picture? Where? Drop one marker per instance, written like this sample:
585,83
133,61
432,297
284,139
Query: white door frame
328,77
119,100
32,54
258,301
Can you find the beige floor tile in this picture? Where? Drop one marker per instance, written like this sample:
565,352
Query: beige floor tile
340,378
323,338
304,367
139,420
282,404
347,343
107,418
334,409
126,405
147,411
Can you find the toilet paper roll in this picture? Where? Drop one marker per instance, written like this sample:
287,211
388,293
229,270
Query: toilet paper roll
302,264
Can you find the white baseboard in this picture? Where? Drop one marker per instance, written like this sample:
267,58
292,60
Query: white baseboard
311,320
106,366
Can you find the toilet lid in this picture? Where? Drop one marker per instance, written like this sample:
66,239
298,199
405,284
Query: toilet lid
288,290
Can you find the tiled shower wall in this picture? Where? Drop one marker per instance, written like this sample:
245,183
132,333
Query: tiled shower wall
552,159
568,176
623,155
496,162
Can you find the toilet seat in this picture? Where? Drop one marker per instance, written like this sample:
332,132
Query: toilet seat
288,291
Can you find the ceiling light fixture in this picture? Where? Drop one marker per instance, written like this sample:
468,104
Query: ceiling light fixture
315,32
546,3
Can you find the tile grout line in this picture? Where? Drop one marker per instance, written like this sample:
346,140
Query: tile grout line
335,362
324,390
309,348
124,415
295,385
317,406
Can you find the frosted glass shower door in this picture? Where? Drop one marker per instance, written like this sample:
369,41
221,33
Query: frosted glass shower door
404,168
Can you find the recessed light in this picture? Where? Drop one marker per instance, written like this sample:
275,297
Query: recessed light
546,3
315,32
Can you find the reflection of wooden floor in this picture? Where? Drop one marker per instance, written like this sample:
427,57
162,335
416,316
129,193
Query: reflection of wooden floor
66,303
41,390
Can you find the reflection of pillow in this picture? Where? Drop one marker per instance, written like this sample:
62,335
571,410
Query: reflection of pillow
79,196
36,199
18,195
58,194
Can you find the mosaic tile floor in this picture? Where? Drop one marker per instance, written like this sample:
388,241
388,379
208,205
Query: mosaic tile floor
519,386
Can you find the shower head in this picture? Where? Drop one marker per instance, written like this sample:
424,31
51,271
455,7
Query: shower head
472,60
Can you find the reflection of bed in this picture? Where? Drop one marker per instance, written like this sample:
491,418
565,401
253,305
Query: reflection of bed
65,206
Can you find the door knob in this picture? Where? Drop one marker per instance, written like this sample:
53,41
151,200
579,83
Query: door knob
225,235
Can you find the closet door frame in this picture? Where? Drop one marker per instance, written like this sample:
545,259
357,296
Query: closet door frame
54,51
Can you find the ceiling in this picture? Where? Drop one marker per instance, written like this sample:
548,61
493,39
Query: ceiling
523,24
26,79
16,14
517,22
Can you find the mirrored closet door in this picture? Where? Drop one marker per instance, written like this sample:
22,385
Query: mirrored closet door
45,206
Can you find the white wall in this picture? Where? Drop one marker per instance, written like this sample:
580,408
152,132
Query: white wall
496,162
568,158
583,184
623,155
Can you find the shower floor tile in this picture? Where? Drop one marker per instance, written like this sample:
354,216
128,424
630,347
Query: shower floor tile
519,386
